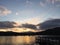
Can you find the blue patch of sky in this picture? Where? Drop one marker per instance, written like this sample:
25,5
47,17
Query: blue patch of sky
19,5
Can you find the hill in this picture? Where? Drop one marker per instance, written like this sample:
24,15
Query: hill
53,31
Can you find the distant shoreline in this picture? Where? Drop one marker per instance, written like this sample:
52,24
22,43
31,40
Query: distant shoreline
23,33
17,34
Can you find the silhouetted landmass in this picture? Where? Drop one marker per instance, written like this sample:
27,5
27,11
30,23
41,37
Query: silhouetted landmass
10,33
53,31
49,24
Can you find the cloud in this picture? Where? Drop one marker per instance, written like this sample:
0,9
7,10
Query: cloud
50,2
4,11
26,12
17,13
50,24
31,26
32,20
28,3
57,0
54,2
58,5
7,24
42,4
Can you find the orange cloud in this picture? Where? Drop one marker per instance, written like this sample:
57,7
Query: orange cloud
4,11
34,21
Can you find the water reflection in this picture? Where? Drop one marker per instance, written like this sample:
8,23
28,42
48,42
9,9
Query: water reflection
29,40
21,40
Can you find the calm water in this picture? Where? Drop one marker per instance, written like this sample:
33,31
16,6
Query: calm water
29,40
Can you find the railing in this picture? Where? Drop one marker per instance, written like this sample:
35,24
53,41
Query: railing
48,40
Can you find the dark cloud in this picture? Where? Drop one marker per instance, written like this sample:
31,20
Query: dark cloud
7,24
31,26
49,24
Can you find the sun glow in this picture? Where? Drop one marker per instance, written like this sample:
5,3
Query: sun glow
22,30
19,30
3,30
28,30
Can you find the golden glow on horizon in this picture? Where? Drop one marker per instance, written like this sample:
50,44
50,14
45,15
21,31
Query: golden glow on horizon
20,30
3,30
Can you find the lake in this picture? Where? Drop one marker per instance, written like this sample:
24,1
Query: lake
30,40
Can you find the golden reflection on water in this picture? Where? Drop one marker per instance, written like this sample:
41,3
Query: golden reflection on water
29,39
17,39
23,39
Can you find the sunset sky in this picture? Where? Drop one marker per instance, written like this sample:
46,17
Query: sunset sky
29,11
